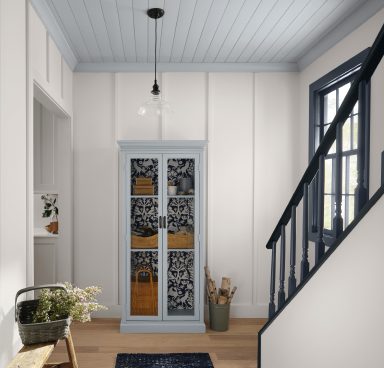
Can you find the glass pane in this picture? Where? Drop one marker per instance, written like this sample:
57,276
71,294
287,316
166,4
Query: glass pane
352,174
355,131
181,283
329,106
347,135
144,283
180,223
181,175
344,171
356,108
144,176
333,148
351,214
342,92
328,176
144,223
328,212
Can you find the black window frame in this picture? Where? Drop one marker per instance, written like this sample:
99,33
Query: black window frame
339,76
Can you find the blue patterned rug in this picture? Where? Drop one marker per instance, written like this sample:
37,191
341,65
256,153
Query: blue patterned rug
174,360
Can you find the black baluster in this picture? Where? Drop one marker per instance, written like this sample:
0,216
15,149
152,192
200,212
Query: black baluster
320,246
272,306
304,259
281,293
361,191
338,219
292,255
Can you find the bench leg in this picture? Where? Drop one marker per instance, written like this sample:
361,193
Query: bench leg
71,351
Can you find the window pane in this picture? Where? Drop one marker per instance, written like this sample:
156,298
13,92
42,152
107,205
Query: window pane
352,174
329,106
347,135
333,148
328,176
344,171
355,131
356,108
328,212
351,214
342,92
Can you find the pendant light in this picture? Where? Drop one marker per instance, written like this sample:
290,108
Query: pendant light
156,106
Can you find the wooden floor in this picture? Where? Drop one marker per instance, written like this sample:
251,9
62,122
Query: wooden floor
98,342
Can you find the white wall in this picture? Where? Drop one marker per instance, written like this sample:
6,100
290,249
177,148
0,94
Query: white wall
228,109
336,320
12,169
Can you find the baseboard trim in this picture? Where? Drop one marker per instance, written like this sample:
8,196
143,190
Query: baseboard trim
161,327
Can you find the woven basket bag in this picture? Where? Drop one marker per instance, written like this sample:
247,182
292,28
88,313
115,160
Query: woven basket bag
35,333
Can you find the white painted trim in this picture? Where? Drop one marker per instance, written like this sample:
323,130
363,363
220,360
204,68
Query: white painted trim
55,31
186,67
162,146
361,15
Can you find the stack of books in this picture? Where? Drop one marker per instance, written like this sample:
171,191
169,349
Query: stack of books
143,186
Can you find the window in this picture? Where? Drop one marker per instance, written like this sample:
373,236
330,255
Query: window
326,96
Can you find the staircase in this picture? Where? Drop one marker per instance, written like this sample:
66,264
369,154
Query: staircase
366,216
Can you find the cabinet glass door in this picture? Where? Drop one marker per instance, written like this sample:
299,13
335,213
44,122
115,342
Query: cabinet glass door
145,242
180,238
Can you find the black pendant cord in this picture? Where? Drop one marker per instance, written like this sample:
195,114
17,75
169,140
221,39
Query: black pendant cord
155,50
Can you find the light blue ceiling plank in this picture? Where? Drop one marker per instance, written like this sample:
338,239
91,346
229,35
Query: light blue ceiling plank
171,8
185,15
186,67
112,23
140,22
96,18
252,28
81,16
303,16
318,17
211,26
230,15
63,14
278,30
125,9
334,17
198,24
151,31
265,28
234,34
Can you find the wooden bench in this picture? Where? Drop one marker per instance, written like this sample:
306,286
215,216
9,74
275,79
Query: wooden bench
36,356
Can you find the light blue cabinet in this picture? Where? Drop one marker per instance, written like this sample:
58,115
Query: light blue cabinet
162,236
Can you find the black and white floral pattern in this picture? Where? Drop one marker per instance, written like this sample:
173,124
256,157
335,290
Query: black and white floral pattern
180,168
147,258
144,213
180,214
180,280
145,168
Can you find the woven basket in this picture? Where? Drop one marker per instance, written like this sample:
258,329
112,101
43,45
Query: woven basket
180,240
144,242
34,333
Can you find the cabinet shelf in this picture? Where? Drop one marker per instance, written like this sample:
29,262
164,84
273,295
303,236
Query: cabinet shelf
181,196
143,196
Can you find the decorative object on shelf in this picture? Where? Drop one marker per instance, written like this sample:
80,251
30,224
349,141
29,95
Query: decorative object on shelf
181,239
51,210
144,297
180,280
172,189
48,318
219,301
145,168
156,106
143,186
179,169
148,258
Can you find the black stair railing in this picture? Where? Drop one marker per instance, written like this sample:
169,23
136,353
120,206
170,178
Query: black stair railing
316,169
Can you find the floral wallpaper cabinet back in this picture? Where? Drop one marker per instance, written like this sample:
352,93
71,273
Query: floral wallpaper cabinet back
162,236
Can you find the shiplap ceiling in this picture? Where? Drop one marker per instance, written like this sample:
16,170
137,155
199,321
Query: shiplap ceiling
108,34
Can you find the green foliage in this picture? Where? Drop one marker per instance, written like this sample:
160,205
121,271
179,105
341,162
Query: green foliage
50,207
75,302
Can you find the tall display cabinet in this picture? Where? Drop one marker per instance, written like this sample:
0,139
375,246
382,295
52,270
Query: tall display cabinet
162,236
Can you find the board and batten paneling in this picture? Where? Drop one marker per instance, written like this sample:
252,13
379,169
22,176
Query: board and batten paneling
220,107
48,68
95,185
